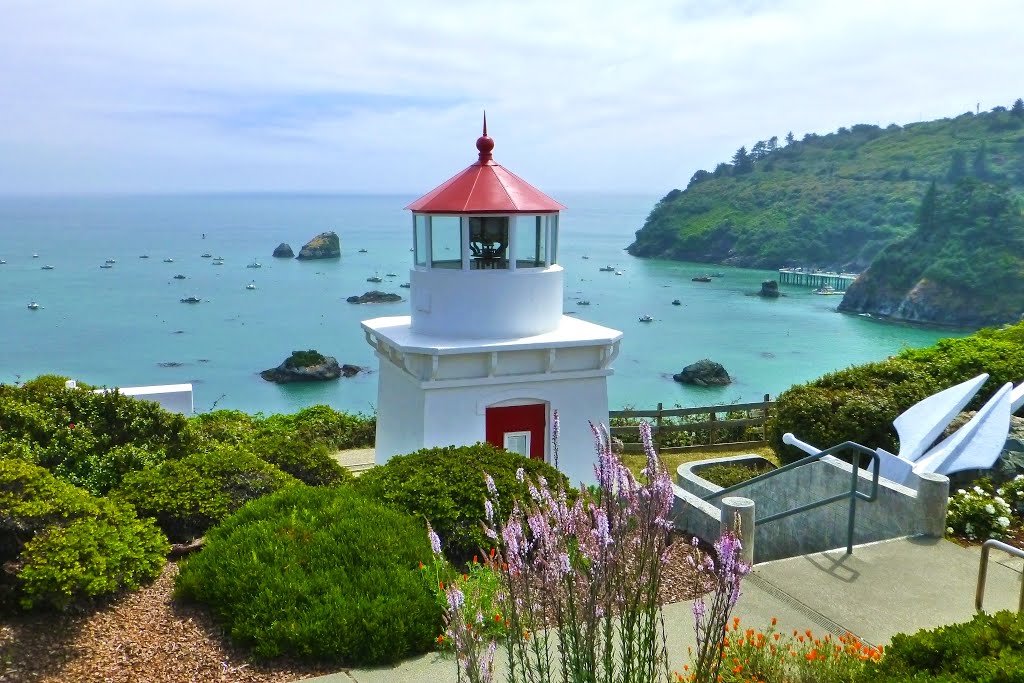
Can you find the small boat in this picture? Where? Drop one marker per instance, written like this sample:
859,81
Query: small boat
207,255
33,306
677,302
191,300
391,275
110,261
35,255
254,264
47,267
701,278
362,251
827,290
168,260
375,278
143,255
218,261
646,319
619,272
586,258
179,276
582,302
405,285
2,262
718,274
607,269
251,285
106,266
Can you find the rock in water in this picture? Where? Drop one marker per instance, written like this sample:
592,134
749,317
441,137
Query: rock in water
284,250
769,289
374,297
703,373
305,366
348,370
324,245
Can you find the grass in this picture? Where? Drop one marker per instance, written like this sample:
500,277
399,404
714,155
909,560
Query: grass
636,461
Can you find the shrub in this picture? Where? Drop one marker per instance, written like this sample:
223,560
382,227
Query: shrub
304,359
1013,492
188,496
446,486
318,573
977,514
223,426
323,426
310,464
59,544
987,649
727,475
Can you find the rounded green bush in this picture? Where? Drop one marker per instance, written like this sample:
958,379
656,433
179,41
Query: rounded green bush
447,487
59,544
318,573
309,463
324,426
188,496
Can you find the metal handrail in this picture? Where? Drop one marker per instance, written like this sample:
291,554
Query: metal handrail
979,594
853,494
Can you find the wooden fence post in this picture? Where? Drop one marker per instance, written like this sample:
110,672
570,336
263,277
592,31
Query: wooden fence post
712,430
657,429
764,414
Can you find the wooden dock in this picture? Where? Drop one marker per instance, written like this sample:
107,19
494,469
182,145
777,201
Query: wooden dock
808,278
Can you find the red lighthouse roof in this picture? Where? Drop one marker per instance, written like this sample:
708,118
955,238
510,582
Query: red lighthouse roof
485,187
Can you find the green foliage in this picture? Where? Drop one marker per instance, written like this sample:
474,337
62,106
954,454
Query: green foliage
446,486
59,544
318,573
323,426
987,649
304,359
309,463
188,496
860,402
824,199
730,474
978,514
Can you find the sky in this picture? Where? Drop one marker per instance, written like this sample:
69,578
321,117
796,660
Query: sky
356,96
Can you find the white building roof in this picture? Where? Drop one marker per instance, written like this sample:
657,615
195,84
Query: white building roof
156,389
570,332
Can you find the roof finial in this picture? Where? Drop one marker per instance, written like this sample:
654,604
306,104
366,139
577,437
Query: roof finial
484,144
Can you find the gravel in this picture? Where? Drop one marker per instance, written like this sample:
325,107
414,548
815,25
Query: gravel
146,636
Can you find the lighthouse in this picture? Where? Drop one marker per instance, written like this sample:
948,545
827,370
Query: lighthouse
487,353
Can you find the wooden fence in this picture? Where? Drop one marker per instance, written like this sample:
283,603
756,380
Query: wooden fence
662,424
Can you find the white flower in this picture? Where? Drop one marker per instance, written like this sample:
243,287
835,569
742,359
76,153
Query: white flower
961,491
968,528
999,500
990,509
1003,522
949,529
979,490
1018,477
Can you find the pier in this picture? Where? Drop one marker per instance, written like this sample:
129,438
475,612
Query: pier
813,278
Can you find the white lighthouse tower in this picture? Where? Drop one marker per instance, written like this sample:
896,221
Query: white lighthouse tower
487,354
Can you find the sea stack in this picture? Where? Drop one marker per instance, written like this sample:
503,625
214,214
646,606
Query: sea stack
323,246
703,373
284,250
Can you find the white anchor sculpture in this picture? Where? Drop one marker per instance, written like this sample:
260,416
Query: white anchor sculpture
975,445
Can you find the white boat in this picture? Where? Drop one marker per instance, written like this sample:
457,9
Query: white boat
363,251
391,275
179,276
405,285
619,272
251,285
254,264
207,255
47,267
646,319
33,306
607,269
35,255
110,260
106,266
375,278
168,260
582,302
2,262
218,261
827,290
191,300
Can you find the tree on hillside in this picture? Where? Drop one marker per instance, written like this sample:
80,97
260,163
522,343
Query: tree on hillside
773,143
789,138
957,166
759,150
698,177
979,167
1018,108
741,161
926,219
722,170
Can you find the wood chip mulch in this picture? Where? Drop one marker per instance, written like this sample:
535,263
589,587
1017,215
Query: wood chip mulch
148,637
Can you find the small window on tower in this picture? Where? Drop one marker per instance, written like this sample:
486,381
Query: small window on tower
531,242
445,242
488,242
420,239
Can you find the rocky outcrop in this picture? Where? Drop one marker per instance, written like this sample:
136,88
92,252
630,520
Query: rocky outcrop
703,373
320,369
769,289
284,250
374,297
926,302
324,245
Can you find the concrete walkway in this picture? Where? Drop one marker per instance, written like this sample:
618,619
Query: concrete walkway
885,588
356,460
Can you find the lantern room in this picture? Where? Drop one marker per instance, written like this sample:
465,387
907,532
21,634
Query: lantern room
485,248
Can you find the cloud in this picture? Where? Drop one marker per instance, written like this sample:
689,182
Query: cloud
327,95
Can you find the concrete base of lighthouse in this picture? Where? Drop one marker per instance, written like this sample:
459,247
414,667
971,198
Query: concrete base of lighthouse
434,391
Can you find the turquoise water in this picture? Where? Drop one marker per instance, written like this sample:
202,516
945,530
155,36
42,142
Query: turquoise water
117,326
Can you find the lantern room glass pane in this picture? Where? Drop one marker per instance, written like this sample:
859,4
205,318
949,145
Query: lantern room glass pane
445,242
420,239
531,246
488,242
553,248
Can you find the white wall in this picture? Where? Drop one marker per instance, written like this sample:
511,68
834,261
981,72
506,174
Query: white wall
176,398
457,416
399,413
486,304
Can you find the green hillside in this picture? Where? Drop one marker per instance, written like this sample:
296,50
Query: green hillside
963,266
832,200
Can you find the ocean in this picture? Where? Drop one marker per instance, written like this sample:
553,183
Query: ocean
126,326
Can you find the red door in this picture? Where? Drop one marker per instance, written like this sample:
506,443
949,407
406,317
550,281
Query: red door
508,427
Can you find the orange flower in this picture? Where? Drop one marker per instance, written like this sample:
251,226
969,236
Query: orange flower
808,632
497,617
440,639
474,559
421,565
738,668
736,620
774,621
812,655
440,585
492,552
776,636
